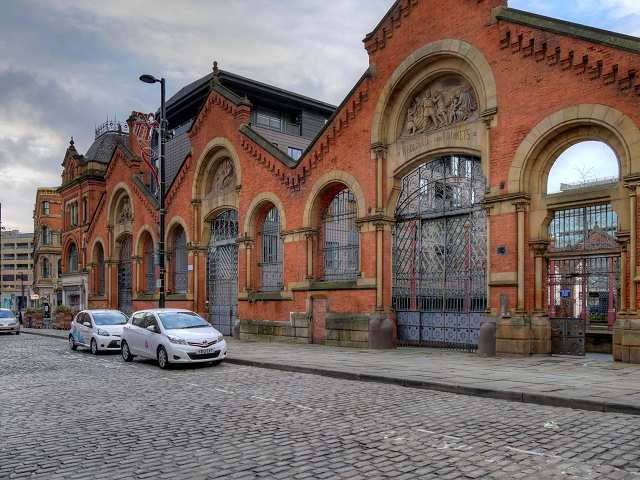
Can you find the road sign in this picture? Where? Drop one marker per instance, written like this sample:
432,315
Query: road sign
565,292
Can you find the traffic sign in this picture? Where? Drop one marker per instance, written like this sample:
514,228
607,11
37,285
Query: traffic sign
565,292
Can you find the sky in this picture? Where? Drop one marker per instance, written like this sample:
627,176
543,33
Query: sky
68,65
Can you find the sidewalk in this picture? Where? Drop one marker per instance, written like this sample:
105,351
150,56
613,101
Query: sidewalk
587,383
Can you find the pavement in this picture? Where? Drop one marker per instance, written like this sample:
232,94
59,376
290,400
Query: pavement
593,382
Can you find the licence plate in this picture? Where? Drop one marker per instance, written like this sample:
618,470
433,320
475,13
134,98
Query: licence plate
205,351
5,328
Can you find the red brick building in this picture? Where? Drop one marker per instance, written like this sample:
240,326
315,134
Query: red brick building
418,211
47,228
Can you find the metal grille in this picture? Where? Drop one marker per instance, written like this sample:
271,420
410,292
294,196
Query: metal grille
587,228
151,270
125,277
340,240
440,255
222,271
582,296
271,253
101,271
181,262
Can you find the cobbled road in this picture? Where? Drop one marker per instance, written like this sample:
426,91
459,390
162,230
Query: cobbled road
68,414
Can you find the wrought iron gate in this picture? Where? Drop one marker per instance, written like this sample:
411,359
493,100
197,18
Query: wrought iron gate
582,296
271,253
125,277
440,254
222,271
581,287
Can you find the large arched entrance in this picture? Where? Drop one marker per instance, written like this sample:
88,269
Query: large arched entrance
125,276
222,271
440,254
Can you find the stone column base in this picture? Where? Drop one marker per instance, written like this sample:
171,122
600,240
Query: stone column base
540,336
513,336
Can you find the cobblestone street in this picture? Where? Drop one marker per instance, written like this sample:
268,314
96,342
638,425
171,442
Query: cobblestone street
69,414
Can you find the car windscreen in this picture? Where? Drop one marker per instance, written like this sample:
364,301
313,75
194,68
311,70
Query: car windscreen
5,314
109,318
176,320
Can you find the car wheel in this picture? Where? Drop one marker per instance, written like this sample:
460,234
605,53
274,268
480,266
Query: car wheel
216,362
163,360
72,344
126,354
94,347
18,332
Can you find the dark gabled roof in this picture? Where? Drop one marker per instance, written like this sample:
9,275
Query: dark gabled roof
575,30
175,153
102,149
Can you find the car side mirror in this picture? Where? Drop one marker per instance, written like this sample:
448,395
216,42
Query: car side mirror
152,328
87,324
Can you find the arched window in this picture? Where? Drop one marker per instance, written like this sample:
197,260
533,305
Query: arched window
270,253
151,269
46,268
584,164
72,261
340,238
59,267
180,262
101,272
46,236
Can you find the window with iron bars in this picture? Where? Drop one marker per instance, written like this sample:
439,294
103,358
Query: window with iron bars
271,253
181,261
151,269
101,272
585,228
340,238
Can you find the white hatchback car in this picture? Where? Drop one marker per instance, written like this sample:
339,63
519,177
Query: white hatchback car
172,336
100,330
8,322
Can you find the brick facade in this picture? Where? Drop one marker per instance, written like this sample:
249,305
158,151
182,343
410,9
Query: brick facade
539,90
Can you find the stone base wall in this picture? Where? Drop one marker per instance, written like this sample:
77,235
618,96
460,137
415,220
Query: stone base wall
626,340
523,336
347,329
296,330
341,329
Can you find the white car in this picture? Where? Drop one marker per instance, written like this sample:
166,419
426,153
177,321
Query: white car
100,330
172,336
8,322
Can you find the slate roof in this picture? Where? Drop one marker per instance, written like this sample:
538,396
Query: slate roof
102,149
176,151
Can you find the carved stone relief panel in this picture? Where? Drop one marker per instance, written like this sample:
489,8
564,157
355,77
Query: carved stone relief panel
224,180
443,114
444,102
125,215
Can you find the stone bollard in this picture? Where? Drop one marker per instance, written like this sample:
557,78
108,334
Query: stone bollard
487,337
380,331
236,330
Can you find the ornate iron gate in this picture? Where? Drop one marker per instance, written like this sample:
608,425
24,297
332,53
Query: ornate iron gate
125,277
440,254
222,271
150,283
581,288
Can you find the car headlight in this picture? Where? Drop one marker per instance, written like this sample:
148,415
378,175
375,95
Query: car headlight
178,340
220,337
103,333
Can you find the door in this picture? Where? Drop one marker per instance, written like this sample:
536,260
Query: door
148,342
133,333
440,255
125,277
222,272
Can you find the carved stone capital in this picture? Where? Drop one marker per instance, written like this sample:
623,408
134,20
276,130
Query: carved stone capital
539,247
487,208
310,235
247,242
521,205
196,204
136,259
632,187
379,149
487,120
623,240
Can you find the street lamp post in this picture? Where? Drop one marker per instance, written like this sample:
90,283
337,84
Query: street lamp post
152,79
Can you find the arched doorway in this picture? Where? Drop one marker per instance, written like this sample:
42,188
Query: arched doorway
440,254
125,276
222,271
